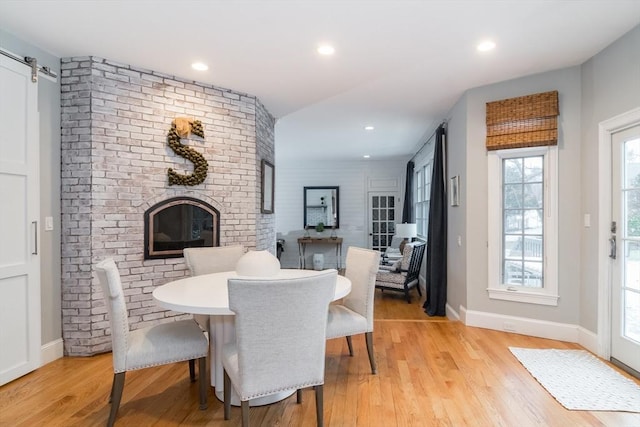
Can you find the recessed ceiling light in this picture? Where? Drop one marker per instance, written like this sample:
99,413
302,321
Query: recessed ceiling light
199,66
486,46
326,49
366,156
369,128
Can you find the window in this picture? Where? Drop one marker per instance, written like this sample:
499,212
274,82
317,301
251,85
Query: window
422,195
522,225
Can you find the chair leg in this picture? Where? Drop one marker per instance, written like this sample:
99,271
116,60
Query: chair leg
299,395
116,396
406,295
350,345
202,379
372,361
244,407
319,405
192,370
113,385
227,395
419,290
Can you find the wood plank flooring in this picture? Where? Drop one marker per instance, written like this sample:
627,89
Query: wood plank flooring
431,372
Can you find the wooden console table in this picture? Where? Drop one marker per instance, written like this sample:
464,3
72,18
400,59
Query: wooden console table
303,242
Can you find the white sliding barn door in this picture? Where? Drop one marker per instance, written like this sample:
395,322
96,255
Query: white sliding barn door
19,212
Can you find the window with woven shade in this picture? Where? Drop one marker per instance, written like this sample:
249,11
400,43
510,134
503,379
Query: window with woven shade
522,139
526,121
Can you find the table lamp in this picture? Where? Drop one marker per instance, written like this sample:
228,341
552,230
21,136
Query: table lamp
406,231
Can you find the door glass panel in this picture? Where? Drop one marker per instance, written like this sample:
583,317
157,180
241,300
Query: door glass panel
382,217
632,310
632,211
630,286
632,157
632,263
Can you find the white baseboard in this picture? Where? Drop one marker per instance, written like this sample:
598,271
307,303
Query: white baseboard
451,313
463,314
533,327
51,351
588,340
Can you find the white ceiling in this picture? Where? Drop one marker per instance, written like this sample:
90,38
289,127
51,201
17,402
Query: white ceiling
399,65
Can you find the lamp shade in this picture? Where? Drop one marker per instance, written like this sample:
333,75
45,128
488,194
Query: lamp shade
406,231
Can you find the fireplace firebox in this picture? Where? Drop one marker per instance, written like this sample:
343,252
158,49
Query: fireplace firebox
178,223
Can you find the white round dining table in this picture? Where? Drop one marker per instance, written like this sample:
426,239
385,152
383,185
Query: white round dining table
208,294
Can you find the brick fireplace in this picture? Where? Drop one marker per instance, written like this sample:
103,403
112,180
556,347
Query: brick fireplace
115,157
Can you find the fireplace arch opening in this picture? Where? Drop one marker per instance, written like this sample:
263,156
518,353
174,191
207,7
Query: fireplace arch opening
178,223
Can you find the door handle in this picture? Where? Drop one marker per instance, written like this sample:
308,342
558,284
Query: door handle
612,247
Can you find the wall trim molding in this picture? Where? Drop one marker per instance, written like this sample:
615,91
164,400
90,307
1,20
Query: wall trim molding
51,351
532,327
588,339
451,313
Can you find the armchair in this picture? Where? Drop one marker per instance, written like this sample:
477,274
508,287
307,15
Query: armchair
404,275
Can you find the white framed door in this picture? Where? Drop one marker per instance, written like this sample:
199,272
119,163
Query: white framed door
20,340
382,219
625,247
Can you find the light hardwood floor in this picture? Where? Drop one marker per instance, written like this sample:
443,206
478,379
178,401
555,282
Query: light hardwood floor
431,372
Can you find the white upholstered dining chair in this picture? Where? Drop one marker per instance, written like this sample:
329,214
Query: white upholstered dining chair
280,342
208,260
151,346
355,314
214,259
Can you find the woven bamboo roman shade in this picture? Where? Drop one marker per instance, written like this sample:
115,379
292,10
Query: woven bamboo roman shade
526,121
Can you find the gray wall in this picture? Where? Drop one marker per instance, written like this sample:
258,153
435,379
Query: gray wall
457,216
603,87
610,86
467,133
49,108
567,82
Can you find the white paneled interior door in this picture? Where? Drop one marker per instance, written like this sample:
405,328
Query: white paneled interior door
19,194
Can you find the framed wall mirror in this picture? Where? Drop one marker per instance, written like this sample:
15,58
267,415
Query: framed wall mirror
321,205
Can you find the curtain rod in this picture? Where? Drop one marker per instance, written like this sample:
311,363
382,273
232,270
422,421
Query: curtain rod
444,123
30,62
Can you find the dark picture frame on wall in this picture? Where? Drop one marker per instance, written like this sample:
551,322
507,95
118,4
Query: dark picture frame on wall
268,187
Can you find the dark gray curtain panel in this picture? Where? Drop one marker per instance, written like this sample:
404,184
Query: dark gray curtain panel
436,269
407,208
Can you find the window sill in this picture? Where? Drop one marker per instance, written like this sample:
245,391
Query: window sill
523,296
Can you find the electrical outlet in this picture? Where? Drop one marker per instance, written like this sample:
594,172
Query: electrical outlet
509,327
48,223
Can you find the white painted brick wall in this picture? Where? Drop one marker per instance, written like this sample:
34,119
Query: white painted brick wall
115,156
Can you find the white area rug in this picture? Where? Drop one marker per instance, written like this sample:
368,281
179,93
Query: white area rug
579,380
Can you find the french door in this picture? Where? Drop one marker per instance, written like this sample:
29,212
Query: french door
382,219
625,247
19,253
